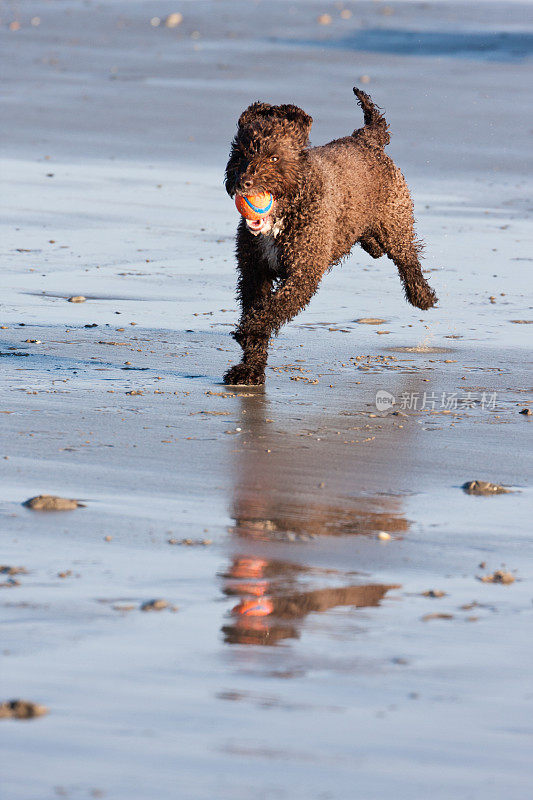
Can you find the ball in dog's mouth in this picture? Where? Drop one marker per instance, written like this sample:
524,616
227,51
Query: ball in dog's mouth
257,211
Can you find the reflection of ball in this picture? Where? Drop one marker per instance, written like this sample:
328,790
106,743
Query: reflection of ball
254,206
261,607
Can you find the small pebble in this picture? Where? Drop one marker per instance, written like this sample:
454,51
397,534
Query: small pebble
191,542
157,605
173,20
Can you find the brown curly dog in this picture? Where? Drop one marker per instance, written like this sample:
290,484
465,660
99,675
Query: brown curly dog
325,200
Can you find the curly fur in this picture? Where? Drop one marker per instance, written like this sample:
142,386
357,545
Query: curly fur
326,199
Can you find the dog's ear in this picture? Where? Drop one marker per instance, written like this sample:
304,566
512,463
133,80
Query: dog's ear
257,109
299,122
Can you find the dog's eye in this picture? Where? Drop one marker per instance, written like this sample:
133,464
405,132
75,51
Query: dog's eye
273,159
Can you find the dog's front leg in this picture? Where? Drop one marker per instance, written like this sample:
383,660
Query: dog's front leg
306,255
305,260
282,305
251,370
253,289
259,322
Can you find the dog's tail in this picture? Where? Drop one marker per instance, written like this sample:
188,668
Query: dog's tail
376,129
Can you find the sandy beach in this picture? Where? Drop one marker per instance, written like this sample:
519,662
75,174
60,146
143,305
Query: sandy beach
386,662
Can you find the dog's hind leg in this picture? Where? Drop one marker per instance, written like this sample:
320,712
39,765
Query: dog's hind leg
405,255
371,246
417,290
398,239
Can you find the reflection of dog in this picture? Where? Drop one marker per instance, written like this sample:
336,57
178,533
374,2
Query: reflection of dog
270,603
326,199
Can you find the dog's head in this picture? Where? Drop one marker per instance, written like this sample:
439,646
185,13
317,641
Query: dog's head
268,151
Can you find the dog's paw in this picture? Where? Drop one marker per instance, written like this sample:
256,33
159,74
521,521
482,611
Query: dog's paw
244,375
422,296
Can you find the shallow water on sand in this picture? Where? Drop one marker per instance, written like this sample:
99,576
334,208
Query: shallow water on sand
327,629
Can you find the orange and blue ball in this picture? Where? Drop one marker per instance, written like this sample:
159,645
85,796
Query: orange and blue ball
254,206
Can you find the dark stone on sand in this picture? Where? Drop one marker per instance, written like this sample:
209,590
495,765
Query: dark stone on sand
49,502
8,570
21,709
484,488
500,576
155,605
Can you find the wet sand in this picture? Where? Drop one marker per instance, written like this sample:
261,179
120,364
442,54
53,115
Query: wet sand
326,632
